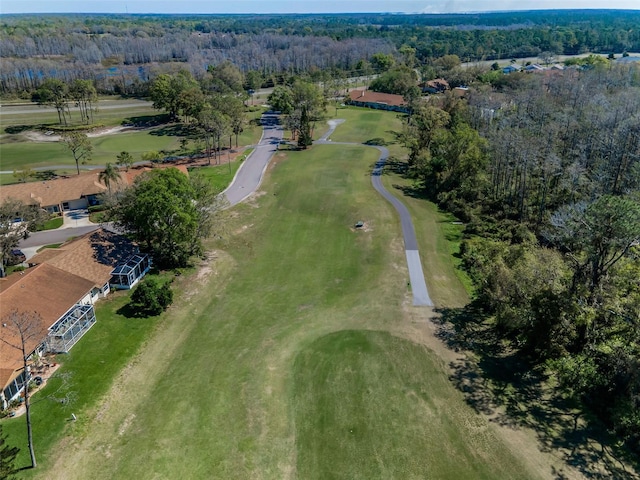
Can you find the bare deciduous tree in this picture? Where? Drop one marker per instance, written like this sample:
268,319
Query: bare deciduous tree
24,331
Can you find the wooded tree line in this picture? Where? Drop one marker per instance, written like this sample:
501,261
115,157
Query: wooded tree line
85,47
546,175
58,94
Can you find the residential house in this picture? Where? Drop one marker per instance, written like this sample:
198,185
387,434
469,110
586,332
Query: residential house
105,258
59,194
379,101
61,288
460,91
438,85
511,69
533,68
63,313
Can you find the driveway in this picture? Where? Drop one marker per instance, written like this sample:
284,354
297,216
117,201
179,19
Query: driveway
76,223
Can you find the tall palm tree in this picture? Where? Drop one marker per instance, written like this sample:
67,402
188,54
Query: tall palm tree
109,175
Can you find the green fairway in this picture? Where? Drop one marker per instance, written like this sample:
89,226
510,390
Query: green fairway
17,153
16,156
263,368
364,124
369,405
32,115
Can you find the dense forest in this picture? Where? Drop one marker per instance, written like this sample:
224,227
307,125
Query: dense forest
545,173
121,52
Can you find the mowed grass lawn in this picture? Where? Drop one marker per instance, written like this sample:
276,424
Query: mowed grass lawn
18,154
111,112
364,124
279,363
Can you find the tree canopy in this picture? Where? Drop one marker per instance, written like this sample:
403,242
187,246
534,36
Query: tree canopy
168,213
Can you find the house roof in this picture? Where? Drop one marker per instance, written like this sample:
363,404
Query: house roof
436,83
130,176
92,256
511,68
368,96
45,290
54,192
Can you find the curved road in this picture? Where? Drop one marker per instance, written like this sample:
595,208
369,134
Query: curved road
250,173
248,179
414,264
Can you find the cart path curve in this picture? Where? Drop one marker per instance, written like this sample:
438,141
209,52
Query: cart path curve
416,274
249,177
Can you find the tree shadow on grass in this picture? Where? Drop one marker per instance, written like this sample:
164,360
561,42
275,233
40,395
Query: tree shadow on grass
128,311
43,175
414,191
174,130
15,129
499,382
144,121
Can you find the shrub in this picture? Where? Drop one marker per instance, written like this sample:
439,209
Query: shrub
376,141
151,298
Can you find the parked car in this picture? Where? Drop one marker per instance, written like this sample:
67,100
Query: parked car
16,256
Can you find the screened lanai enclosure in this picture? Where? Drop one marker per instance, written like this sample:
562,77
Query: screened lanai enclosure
70,328
127,274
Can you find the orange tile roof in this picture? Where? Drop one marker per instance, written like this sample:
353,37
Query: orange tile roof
437,83
368,96
54,192
45,290
92,256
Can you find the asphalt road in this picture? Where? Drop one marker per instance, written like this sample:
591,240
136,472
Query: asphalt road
25,108
37,239
249,176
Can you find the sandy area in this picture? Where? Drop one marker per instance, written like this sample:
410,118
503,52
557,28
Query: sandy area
37,136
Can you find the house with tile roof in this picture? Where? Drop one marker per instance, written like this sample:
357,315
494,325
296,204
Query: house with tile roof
101,256
61,288
61,317
59,194
379,101
437,85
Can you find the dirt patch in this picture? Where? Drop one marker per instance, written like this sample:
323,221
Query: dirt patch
126,424
365,227
252,201
242,229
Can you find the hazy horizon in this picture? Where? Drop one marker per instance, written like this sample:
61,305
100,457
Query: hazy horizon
288,6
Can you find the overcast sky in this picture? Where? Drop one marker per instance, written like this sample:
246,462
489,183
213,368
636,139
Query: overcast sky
298,6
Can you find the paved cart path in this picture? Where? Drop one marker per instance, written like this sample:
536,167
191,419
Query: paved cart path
416,275
250,174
